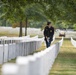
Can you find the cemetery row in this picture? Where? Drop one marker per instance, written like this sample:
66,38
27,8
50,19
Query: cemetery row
37,64
12,47
73,42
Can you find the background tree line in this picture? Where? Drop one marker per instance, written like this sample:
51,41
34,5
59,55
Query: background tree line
35,13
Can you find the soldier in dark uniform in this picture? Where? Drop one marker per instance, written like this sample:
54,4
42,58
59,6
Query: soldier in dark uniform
48,34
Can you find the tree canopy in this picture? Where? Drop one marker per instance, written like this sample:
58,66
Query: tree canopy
57,11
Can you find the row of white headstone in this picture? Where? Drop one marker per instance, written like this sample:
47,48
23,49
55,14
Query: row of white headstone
73,42
21,46
37,64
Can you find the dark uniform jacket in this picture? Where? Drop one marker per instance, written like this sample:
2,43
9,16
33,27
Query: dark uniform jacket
49,32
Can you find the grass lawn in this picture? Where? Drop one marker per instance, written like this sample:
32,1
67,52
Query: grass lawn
65,63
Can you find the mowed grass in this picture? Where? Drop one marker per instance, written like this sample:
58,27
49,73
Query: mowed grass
65,63
16,34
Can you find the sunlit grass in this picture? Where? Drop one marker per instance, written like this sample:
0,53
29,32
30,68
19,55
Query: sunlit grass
6,33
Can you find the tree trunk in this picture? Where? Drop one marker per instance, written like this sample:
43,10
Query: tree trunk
26,27
20,33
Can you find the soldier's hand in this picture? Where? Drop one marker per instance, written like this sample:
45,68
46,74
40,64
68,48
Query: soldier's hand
46,37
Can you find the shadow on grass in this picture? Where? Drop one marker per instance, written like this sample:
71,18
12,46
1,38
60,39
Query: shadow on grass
65,64
66,58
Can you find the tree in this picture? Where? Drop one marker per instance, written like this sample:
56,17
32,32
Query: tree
34,13
74,26
21,12
55,10
14,12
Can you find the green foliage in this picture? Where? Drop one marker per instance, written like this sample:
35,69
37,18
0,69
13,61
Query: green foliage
13,9
74,26
63,11
36,24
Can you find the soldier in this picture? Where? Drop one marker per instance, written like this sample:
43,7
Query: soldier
48,34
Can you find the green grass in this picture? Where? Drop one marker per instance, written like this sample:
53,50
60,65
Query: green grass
65,63
16,34
8,34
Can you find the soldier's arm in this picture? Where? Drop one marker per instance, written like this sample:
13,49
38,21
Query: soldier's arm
53,30
45,32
